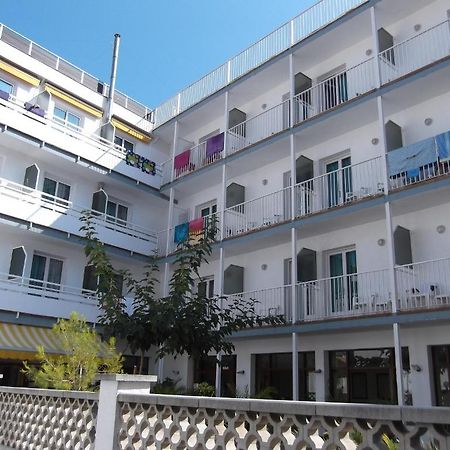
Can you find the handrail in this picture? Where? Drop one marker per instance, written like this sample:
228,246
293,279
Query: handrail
47,56
58,203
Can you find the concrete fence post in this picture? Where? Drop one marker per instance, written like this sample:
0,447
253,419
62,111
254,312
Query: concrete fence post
108,408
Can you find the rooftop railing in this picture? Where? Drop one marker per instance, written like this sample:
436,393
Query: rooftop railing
308,22
54,61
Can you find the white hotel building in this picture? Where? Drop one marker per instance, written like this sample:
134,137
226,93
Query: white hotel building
324,152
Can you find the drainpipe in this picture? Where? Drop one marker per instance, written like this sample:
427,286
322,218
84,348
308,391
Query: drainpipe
108,130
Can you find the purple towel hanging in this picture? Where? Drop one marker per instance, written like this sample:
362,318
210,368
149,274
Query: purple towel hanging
214,145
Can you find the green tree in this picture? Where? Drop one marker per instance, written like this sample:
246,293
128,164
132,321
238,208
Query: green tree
84,356
184,322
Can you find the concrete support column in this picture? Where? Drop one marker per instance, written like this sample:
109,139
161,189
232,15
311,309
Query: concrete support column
320,378
376,46
226,126
295,393
108,407
218,380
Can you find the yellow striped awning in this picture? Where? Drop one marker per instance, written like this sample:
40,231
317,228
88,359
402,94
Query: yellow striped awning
24,76
20,341
73,101
130,130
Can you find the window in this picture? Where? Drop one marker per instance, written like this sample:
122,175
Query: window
56,189
6,87
46,272
441,372
205,288
66,118
273,374
116,212
126,145
91,280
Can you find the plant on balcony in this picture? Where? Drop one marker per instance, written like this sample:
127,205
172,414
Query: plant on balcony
186,321
83,357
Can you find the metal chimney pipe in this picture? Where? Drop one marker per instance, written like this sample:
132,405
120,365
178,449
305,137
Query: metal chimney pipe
112,84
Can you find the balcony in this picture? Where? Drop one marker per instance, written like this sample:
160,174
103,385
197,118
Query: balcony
407,57
29,296
420,286
335,189
32,120
34,206
424,160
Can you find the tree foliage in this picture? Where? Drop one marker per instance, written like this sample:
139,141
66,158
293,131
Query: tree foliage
83,357
184,322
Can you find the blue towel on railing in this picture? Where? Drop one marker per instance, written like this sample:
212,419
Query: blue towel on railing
181,233
443,145
410,158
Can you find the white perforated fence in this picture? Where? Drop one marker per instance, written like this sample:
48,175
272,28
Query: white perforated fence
47,419
164,422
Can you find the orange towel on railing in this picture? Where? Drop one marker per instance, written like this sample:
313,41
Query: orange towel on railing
196,226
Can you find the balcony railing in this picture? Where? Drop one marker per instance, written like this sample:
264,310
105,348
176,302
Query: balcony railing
406,57
258,128
104,146
424,284
340,187
421,161
305,24
169,241
335,91
30,196
48,58
412,54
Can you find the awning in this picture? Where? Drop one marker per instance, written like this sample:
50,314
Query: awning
73,101
20,341
24,76
130,130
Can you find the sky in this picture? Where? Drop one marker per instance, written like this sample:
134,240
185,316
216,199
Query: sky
165,45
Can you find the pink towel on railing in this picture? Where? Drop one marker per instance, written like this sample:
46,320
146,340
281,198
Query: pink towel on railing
182,160
196,225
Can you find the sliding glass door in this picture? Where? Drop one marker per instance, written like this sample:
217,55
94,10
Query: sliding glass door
46,272
339,181
343,282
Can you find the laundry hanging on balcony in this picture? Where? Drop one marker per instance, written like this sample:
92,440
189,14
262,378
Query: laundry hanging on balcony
181,233
196,226
140,162
181,161
214,145
443,145
411,158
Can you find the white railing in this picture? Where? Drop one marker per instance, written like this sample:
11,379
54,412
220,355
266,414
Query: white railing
424,284
406,164
73,131
40,288
258,128
52,60
196,159
261,212
334,91
425,48
169,242
305,24
268,302
50,202
166,169
340,187
344,296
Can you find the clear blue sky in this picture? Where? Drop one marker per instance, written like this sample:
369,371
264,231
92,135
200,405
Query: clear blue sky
166,44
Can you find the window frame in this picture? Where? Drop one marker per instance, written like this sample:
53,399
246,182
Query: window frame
122,145
13,86
59,181
117,220
65,122
45,283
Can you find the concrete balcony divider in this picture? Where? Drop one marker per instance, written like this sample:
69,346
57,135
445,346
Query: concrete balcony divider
124,415
37,207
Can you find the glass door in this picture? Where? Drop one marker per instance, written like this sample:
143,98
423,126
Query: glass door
339,181
46,272
343,282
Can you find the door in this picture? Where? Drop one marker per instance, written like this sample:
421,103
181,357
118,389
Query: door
303,97
304,201
46,272
334,91
339,185
287,193
343,284
287,269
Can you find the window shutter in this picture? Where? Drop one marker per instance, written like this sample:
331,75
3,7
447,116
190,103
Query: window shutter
18,260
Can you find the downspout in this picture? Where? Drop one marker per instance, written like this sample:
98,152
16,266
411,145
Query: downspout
108,129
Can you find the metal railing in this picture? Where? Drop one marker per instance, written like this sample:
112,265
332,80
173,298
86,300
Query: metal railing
43,288
266,211
308,22
64,207
258,128
53,61
425,48
424,284
71,130
339,187
169,242
406,164
335,91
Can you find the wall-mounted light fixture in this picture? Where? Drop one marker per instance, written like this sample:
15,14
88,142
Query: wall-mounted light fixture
368,52
241,372
318,371
381,242
265,182
417,27
264,106
428,121
375,141
416,368
440,229
263,266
